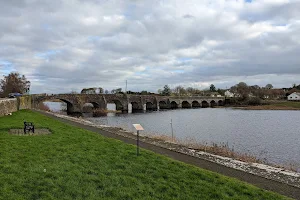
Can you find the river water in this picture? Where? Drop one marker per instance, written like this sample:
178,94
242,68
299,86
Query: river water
267,134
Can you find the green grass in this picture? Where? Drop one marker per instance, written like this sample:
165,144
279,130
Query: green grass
291,104
80,164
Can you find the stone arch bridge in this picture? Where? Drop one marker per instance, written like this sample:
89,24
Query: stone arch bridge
128,103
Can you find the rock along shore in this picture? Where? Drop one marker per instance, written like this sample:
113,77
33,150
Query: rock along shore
262,170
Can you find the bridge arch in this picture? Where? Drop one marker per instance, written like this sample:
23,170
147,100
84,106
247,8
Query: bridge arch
163,105
220,103
174,105
89,107
135,106
213,103
196,104
115,104
205,104
68,104
150,106
119,105
185,104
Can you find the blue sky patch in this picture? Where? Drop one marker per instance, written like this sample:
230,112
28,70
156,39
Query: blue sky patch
6,66
46,27
47,54
93,38
129,10
178,71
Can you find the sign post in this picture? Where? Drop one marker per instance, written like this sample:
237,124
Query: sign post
172,129
138,128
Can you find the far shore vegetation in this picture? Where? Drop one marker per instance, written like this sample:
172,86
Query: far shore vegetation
286,105
73,163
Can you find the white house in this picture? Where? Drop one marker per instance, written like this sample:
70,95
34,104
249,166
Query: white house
294,96
228,94
215,94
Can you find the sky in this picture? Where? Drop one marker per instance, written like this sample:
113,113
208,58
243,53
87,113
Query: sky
66,45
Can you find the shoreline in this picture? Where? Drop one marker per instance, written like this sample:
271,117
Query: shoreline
262,170
267,107
271,105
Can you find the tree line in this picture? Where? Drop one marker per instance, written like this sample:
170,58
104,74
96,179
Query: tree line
16,83
189,91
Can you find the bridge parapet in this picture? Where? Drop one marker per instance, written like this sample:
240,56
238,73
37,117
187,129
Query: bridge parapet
75,102
196,97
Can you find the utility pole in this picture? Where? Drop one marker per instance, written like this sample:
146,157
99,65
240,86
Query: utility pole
126,88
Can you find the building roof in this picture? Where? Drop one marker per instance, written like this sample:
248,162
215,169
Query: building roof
297,93
228,91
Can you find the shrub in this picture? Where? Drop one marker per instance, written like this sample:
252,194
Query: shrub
254,101
44,107
99,113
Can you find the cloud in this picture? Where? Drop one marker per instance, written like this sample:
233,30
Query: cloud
68,45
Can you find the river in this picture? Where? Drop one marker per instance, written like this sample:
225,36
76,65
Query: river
267,134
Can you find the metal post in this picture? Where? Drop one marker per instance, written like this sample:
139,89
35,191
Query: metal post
172,129
137,143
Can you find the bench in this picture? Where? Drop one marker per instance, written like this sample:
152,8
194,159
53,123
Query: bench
28,126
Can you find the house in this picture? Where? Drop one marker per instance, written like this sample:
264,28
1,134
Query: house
251,95
228,94
294,97
215,94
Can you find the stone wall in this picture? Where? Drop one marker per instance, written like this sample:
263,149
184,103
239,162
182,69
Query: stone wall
12,105
25,102
8,106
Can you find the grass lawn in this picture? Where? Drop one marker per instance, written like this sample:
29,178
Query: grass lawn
73,163
287,105
291,104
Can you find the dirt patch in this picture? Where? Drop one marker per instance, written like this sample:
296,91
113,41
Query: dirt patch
20,132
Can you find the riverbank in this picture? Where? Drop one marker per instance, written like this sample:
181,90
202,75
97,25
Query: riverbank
220,164
75,163
219,154
286,105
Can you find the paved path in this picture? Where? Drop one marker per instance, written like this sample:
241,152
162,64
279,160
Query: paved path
261,182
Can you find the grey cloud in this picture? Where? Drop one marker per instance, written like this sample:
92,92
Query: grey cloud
279,13
148,43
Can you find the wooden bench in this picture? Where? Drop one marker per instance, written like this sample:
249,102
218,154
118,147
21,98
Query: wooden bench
28,126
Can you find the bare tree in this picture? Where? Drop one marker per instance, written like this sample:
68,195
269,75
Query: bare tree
116,91
241,90
179,91
14,83
74,92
